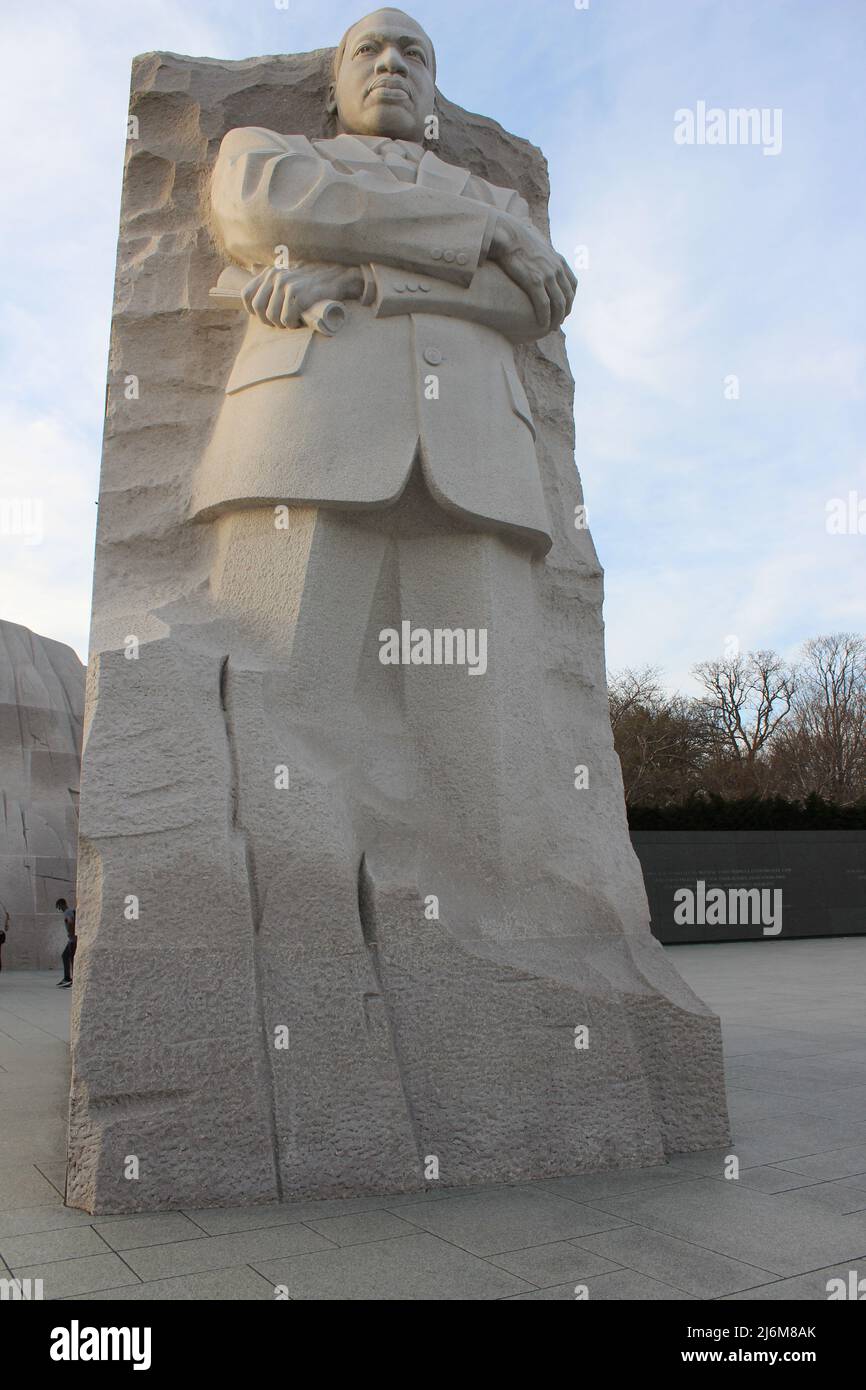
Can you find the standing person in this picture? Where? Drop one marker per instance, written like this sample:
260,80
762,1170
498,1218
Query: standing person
71,942
3,938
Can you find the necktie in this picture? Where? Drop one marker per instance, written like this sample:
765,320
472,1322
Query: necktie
401,158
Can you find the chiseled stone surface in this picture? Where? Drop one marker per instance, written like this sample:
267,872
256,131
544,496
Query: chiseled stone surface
41,715
262,908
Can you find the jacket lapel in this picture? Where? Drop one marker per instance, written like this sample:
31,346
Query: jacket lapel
432,171
435,173
348,148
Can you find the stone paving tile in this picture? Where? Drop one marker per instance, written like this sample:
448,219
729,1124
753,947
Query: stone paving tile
809,1286
842,1195
216,1252
27,1103
848,1100
846,1162
708,1163
695,1270
490,1225
744,1106
66,1278
432,1194
23,1186
780,1138
463,1190
19,1031
585,1187
800,1076
240,1284
30,1220
19,1149
129,1232
784,1234
48,1081
55,1173
855,1054
621,1284
410,1267
770,1179
830,1070
220,1221
547,1265
745,1041
37,1059
68,1243
361,1227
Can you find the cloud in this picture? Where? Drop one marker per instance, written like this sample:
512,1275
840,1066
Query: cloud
48,515
708,513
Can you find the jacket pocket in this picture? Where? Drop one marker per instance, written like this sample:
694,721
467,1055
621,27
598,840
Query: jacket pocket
265,359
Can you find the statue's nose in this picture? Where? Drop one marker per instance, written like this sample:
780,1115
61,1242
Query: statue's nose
391,60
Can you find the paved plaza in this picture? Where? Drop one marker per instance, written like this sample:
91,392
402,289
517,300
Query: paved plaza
795,1050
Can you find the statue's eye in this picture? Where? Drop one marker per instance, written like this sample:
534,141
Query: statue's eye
364,48
417,53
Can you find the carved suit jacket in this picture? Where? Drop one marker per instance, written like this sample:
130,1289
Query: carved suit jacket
337,421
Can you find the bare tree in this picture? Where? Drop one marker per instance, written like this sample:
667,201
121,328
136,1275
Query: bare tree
824,748
658,737
762,726
630,689
747,698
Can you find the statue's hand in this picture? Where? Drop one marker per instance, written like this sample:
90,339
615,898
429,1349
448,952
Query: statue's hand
280,297
531,262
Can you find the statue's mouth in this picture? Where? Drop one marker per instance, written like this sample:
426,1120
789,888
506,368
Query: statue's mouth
389,88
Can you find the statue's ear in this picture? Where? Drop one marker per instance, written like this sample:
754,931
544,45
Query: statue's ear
331,102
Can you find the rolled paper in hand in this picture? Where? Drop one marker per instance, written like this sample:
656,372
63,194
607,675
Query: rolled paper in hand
326,316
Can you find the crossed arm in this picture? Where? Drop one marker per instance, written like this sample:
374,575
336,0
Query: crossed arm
271,190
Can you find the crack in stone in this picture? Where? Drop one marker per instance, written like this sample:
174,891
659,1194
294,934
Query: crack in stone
367,915
236,831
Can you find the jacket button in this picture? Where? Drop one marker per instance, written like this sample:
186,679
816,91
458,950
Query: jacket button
432,356
411,287
448,255
437,254
462,258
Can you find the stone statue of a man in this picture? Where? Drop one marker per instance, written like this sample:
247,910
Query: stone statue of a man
443,272
448,926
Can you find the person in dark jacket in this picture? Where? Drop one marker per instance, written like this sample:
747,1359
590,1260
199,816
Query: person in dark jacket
71,942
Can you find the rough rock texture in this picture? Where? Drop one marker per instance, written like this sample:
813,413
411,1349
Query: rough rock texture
41,716
408,1039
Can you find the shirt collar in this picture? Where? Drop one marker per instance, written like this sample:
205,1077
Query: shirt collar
377,142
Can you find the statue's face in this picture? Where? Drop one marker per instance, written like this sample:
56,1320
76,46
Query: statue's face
385,82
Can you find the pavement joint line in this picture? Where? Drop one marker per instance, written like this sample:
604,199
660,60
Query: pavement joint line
183,1213
801,1274
128,1266
797,1187
161,1278
63,1259
423,1230
708,1249
703,1249
4,1009
216,1235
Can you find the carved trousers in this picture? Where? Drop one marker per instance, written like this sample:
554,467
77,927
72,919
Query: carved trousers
438,758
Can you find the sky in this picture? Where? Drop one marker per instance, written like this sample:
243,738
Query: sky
717,338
